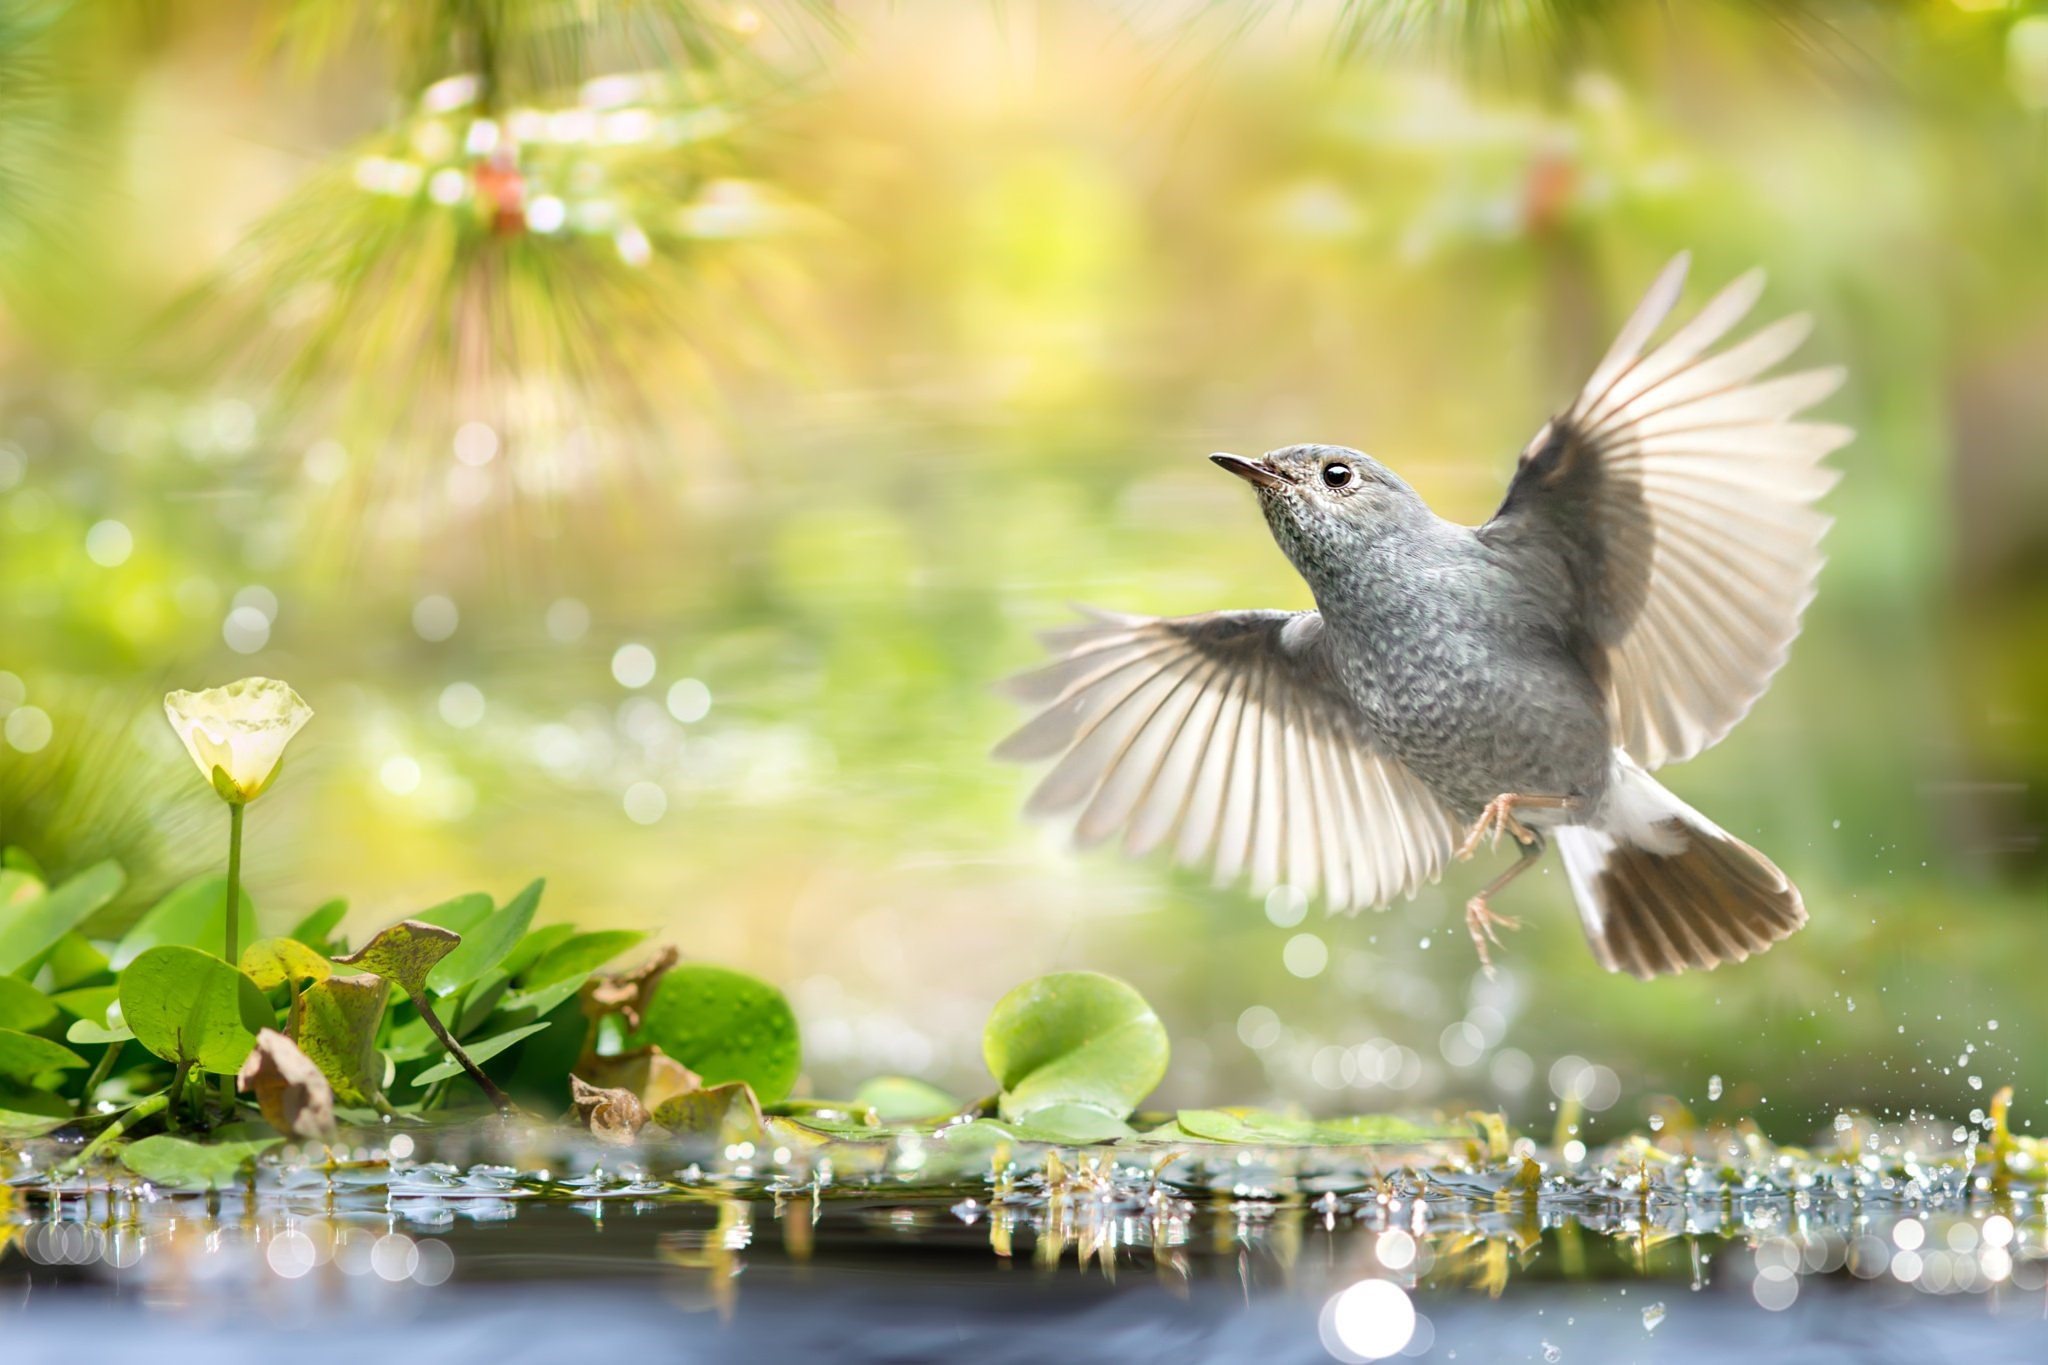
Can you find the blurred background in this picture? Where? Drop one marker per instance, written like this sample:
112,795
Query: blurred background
644,432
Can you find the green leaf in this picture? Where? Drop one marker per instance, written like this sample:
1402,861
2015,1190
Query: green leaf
23,1055
1249,1126
193,916
462,914
485,947
87,1031
189,1006
725,1026
270,962
580,956
544,999
88,1002
1363,1129
24,1007
26,1112
537,944
316,930
20,861
479,1052
334,1022
179,1163
904,1099
31,927
1074,1041
74,960
1088,1128
405,953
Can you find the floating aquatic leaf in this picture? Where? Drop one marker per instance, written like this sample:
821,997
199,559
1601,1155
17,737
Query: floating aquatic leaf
24,1007
1074,1040
32,919
270,962
725,1026
485,946
1087,1130
293,1093
189,1006
904,1099
1264,1127
404,954
179,1163
26,1112
316,930
24,1055
189,917
612,1115
1371,1128
334,1022
479,1052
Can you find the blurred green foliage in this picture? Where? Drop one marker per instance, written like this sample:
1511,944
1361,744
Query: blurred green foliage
929,341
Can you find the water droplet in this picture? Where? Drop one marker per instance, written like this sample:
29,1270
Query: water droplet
1552,1353
1653,1315
1713,1087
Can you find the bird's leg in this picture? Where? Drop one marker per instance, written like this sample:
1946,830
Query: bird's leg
1479,917
1499,818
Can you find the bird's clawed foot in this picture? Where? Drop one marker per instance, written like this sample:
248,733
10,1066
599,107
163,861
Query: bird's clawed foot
1498,818
1480,921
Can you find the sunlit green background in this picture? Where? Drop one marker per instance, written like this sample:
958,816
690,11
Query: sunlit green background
653,509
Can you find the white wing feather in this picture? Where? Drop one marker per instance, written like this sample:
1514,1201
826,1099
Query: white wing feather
1222,736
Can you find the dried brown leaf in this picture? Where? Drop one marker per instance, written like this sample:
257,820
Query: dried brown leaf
627,993
292,1092
612,1115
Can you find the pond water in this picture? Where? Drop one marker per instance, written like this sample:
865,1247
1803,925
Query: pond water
1221,1256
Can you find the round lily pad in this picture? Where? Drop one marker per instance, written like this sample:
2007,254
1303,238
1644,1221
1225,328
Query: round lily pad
189,1006
1071,1042
726,1026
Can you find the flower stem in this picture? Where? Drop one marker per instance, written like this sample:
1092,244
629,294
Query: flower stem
484,1083
233,955
177,1091
100,1071
233,919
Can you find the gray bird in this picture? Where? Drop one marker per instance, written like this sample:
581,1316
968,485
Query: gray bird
1628,603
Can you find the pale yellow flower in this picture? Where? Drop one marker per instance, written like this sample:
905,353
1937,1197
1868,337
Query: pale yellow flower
236,734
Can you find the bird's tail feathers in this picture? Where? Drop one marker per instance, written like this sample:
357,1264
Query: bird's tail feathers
1661,888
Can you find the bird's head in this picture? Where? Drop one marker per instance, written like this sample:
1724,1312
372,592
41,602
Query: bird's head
1327,504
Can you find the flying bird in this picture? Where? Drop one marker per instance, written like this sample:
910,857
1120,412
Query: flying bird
1625,607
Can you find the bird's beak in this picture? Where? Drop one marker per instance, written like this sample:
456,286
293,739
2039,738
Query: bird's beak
1253,471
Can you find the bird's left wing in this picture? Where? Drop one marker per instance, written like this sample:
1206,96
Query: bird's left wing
1226,735
1678,489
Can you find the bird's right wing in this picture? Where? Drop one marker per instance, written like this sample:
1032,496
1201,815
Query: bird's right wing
1679,489
1227,736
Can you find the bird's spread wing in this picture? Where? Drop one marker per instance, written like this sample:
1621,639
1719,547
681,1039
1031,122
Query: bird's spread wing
1679,490
1226,737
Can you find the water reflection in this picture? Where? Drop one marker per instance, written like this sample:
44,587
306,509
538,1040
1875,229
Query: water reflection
1377,1256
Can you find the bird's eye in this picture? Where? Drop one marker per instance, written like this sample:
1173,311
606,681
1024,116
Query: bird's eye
1336,475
